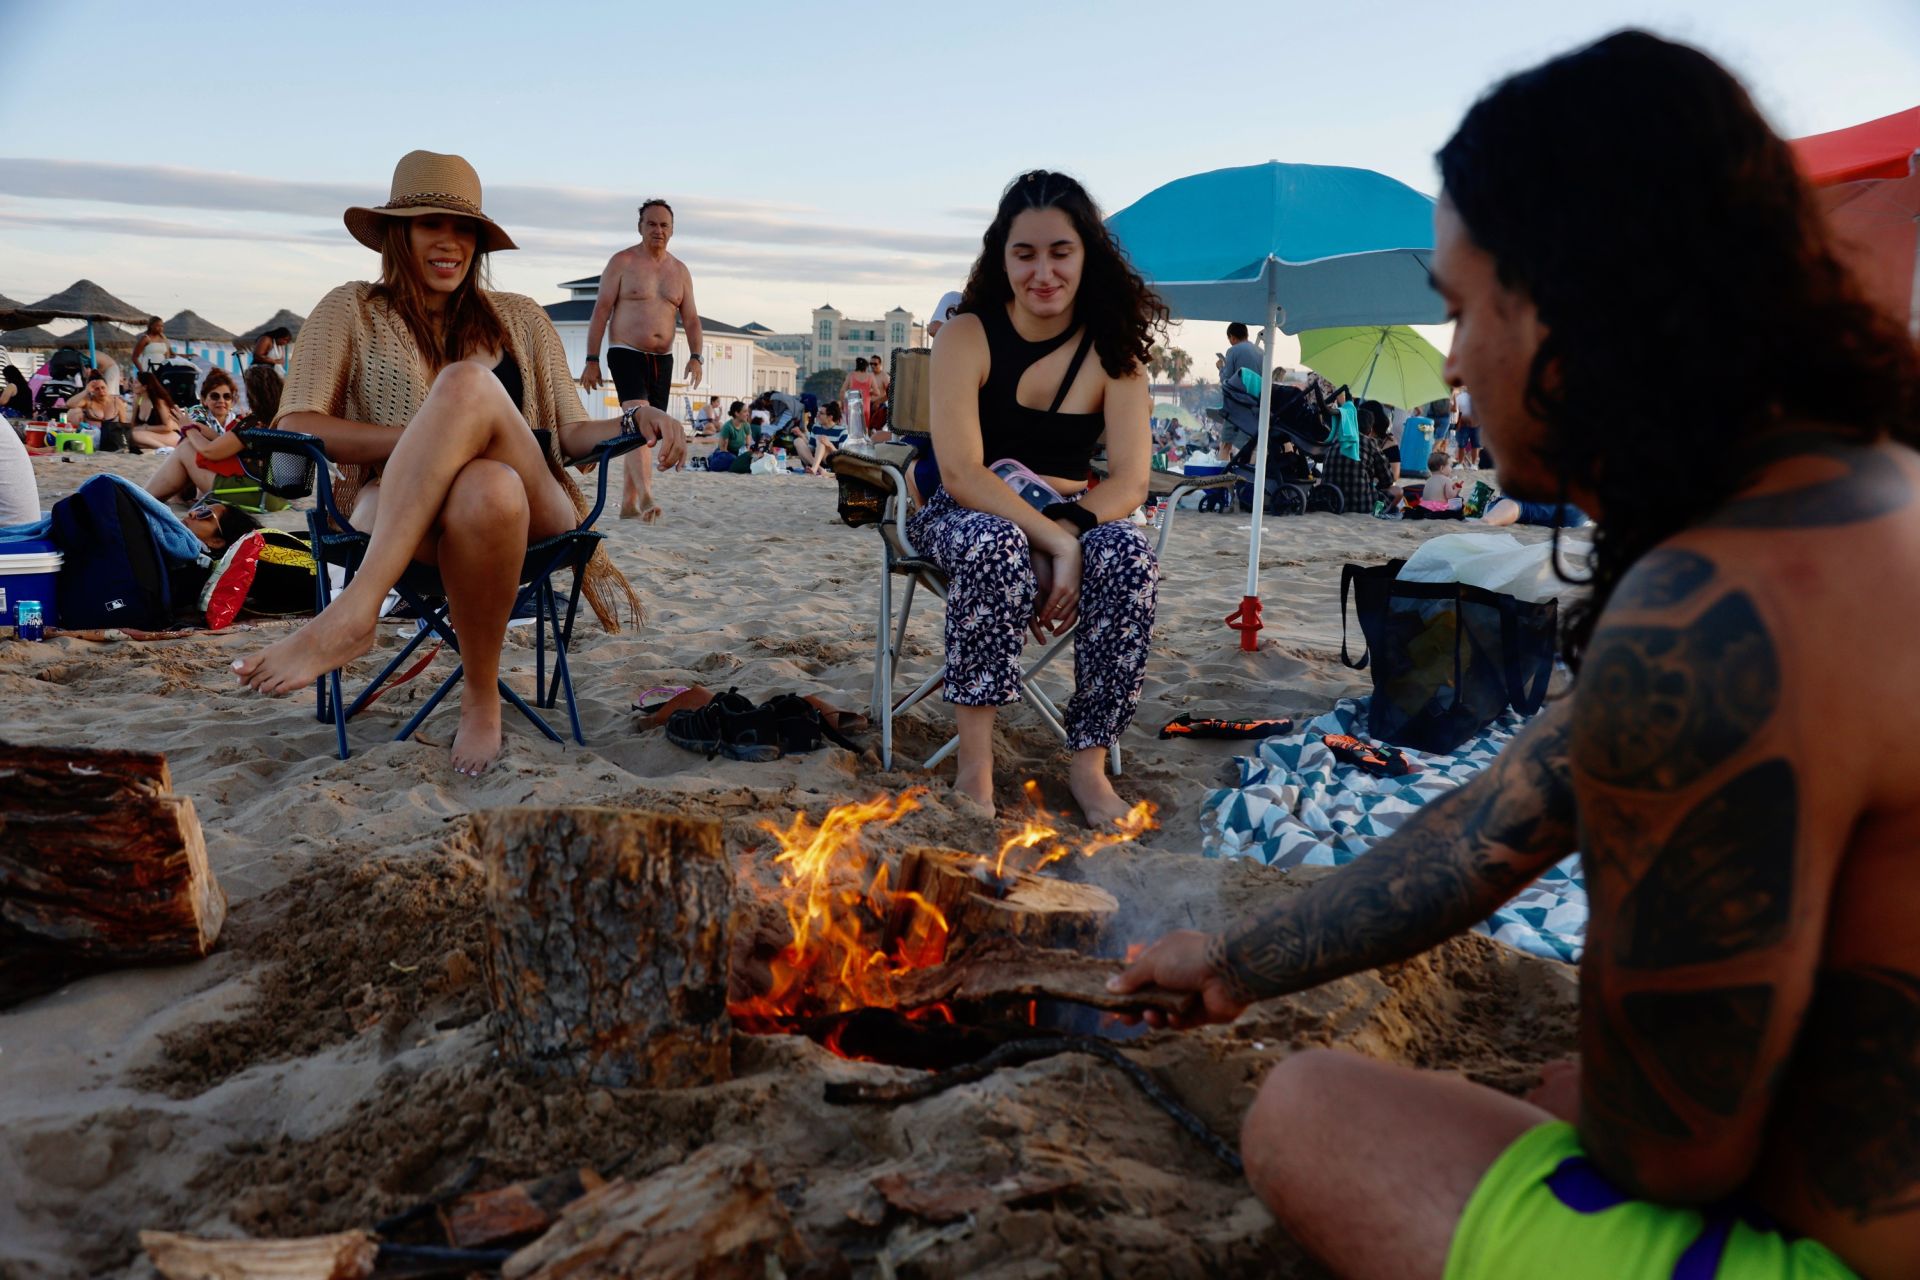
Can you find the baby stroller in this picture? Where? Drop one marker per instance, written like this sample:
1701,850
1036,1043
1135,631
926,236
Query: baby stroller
180,378
1296,454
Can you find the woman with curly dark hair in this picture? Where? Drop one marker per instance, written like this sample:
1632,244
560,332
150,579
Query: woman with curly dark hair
1736,761
1018,409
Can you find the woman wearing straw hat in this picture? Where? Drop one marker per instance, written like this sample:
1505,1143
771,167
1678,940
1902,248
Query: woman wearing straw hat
427,389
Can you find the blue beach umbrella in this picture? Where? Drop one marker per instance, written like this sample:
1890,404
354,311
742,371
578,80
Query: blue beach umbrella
1288,247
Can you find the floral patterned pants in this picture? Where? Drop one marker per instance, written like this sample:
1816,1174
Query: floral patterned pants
992,593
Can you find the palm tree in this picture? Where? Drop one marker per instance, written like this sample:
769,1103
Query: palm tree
1177,364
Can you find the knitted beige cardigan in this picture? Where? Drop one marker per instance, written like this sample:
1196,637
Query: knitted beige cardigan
356,359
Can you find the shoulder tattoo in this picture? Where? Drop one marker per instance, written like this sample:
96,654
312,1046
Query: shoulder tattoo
1664,705
1663,578
1872,485
1723,882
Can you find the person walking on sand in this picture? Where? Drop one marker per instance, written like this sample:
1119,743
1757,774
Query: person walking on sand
427,389
643,289
1735,761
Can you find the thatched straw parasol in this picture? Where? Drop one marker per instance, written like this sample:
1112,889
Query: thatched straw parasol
190,327
33,338
85,300
19,313
282,319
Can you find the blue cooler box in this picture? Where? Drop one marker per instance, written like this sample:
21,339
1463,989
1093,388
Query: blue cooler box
1416,445
28,568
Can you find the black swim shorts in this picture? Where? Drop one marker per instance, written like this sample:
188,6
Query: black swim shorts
641,375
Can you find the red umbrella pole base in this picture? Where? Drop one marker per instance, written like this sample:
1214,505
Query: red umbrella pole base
1246,620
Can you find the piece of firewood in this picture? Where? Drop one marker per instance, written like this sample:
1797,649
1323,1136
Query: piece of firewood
1003,969
1038,910
607,944
101,866
713,1217
350,1255
510,1212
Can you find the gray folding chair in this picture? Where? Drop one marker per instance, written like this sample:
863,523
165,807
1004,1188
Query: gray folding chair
874,490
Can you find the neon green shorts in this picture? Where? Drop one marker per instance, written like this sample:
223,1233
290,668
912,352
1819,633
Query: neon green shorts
1544,1209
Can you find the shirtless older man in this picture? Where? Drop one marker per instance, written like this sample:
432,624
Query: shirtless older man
1737,761
642,291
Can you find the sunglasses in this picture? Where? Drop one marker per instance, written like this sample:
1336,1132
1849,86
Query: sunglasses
218,395
201,510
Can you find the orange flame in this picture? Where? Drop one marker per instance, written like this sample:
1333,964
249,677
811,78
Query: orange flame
840,905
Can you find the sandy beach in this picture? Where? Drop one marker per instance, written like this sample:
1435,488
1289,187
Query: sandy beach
331,1063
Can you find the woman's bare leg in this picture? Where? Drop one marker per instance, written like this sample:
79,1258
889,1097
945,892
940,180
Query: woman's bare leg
466,416
974,775
148,439
169,479
483,526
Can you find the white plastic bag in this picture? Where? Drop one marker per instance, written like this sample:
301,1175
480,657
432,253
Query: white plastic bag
766,465
1500,562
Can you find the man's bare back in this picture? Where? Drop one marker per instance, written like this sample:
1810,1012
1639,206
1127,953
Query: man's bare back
647,292
1748,781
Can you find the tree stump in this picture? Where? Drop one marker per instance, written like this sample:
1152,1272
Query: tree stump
349,1255
1037,910
607,951
101,866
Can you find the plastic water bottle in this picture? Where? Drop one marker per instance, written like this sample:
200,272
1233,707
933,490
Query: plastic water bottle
858,441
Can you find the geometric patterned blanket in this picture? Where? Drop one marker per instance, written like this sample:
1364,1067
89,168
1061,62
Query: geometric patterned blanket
1296,805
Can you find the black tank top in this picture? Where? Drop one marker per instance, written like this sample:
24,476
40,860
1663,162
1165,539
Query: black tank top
508,371
1049,442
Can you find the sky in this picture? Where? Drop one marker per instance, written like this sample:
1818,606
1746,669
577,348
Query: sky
848,154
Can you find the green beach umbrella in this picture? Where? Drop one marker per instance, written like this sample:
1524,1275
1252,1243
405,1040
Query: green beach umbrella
1388,363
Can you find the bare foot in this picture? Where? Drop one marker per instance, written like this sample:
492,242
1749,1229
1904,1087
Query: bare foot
628,511
649,510
330,641
976,785
1098,800
476,743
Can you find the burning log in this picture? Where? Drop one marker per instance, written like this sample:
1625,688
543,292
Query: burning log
349,1255
997,970
715,1217
101,866
607,951
976,901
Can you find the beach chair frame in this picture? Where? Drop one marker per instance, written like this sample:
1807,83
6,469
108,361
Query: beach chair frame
886,472
336,542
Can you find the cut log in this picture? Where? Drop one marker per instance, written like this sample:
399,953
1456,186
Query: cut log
715,1217
513,1212
997,970
101,866
607,944
1037,910
350,1255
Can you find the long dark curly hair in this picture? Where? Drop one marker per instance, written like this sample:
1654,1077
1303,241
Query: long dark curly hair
1113,301
1633,192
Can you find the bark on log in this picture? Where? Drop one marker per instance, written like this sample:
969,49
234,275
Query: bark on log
1000,969
513,1212
350,1255
715,1217
101,866
607,946
1037,910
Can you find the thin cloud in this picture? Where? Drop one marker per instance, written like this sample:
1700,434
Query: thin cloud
605,214
112,225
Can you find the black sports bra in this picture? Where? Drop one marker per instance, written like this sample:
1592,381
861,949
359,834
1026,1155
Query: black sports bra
1048,442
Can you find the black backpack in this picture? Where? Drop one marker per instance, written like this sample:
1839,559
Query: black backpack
113,574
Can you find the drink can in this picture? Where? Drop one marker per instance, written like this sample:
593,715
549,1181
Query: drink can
27,618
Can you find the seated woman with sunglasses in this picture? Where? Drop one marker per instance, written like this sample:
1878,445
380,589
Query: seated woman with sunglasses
208,447
427,389
1012,381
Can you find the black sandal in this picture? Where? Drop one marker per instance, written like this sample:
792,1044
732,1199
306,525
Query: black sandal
801,727
730,725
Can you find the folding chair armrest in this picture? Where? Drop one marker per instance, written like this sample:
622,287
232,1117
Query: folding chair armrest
310,447
601,457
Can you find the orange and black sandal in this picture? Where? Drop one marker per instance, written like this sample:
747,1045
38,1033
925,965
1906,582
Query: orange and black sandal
1381,762
1186,726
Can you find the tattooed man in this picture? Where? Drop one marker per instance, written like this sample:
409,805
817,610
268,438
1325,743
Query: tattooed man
1738,762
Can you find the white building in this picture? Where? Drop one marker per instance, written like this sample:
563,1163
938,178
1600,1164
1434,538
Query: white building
734,366
835,342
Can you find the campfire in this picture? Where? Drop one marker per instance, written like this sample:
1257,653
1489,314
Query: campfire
925,956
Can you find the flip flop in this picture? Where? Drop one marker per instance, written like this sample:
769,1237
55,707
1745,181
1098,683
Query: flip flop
686,700
1381,762
1185,726
655,698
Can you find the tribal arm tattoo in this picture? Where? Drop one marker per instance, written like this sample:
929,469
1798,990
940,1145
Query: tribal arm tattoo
1448,867
1692,832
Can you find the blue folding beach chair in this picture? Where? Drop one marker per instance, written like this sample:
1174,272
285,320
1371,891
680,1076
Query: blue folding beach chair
290,464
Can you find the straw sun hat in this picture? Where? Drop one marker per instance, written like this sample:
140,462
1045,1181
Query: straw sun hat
427,182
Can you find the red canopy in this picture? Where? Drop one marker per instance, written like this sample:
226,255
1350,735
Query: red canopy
1876,149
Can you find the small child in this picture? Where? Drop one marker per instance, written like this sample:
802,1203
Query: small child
1443,488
